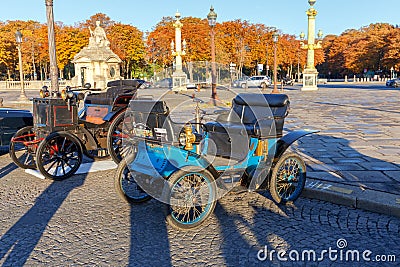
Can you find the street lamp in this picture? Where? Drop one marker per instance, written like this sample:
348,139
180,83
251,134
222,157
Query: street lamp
212,21
18,38
275,39
310,73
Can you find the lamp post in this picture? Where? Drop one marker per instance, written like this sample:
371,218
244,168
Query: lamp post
212,21
52,46
310,73
18,38
33,63
275,39
266,55
298,64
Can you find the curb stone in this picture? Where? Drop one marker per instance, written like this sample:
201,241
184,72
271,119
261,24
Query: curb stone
353,196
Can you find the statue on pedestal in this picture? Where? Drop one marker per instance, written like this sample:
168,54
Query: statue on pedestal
98,37
96,63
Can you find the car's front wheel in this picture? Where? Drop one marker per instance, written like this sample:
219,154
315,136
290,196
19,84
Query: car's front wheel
192,198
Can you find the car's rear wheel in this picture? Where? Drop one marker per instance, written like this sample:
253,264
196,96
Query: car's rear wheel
59,156
23,148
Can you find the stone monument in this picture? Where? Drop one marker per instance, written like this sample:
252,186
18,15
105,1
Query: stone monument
179,78
96,63
310,73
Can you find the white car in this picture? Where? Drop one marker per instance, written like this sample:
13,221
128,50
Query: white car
256,81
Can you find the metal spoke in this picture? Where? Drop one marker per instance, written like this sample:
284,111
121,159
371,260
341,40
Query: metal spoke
54,162
62,166
63,144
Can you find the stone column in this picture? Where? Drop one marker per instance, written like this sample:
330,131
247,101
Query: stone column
310,74
178,77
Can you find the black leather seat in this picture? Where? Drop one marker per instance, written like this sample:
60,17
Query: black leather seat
257,115
252,115
154,114
108,97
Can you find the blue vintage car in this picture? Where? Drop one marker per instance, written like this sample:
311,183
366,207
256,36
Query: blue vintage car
11,120
190,165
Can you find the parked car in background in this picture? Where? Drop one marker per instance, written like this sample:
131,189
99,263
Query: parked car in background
164,83
146,84
393,83
256,81
238,82
11,120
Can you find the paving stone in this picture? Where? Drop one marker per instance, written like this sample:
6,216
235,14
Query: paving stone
380,166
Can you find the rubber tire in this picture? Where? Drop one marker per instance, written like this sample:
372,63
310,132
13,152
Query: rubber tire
244,86
123,167
177,176
116,157
20,132
41,150
273,184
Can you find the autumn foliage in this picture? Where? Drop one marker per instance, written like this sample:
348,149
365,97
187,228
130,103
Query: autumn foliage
375,47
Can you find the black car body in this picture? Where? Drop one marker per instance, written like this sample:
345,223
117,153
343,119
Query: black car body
11,120
393,83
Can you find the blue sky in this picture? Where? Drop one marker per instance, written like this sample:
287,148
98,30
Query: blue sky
334,17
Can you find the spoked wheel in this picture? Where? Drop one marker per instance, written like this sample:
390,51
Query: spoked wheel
22,148
59,156
288,178
126,185
116,147
192,198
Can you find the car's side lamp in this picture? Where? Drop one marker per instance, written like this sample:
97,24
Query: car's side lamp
187,138
87,86
44,92
67,96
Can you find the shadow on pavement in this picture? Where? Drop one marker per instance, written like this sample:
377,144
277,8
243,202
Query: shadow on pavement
356,107
149,235
20,240
7,169
348,165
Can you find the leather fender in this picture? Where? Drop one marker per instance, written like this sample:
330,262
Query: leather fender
284,143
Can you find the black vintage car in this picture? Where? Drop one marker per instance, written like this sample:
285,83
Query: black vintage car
11,120
73,123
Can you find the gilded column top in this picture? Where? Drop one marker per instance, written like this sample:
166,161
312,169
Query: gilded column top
312,12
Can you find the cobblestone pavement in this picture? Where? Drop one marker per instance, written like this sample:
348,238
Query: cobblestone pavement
82,222
359,135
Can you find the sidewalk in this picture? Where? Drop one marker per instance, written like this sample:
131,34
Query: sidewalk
10,98
355,158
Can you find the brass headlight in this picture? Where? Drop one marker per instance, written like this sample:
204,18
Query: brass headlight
190,138
70,94
44,92
64,95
